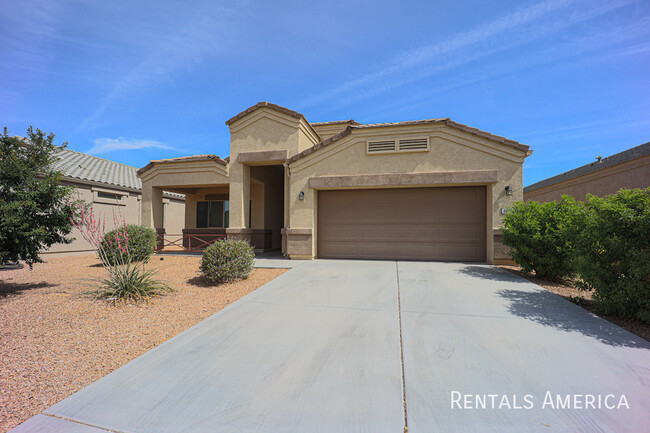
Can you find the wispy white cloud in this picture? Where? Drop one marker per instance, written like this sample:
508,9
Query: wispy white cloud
601,44
509,31
105,145
169,50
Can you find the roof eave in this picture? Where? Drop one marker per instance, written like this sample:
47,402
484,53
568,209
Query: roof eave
264,104
181,160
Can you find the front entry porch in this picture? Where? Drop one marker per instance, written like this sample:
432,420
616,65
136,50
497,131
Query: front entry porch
251,209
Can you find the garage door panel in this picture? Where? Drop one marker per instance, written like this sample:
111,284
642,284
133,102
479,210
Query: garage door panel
337,249
376,250
414,223
440,232
375,232
338,234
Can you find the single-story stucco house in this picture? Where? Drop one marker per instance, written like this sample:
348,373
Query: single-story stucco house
628,169
113,189
420,190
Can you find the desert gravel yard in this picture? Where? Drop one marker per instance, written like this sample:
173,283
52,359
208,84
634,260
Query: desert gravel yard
55,340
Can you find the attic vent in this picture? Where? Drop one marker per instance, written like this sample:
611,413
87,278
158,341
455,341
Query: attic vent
414,144
381,146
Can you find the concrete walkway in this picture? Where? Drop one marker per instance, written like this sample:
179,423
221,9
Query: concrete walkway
319,350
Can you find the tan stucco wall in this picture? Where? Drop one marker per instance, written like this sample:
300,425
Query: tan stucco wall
174,215
630,174
451,150
307,136
262,130
128,209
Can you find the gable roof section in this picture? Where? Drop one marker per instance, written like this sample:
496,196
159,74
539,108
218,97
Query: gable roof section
446,121
610,161
259,105
275,107
77,165
206,157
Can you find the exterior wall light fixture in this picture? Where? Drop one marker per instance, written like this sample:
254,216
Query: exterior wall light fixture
508,190
301,196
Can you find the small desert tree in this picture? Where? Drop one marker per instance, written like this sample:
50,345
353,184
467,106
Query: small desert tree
34,210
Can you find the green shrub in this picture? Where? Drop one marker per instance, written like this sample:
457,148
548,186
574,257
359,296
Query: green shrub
540,237
131,243
227,260
613,252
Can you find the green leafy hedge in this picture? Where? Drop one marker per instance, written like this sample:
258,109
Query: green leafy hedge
604,242
132,243
539,235
227,260
613,252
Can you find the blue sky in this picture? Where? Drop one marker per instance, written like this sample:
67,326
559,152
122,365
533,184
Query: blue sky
133,80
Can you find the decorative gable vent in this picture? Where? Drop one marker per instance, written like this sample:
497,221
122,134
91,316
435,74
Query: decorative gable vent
381,146
414,144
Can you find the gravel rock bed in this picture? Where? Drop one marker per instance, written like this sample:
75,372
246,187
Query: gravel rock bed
55,339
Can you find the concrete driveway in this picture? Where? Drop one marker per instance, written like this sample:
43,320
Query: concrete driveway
367,346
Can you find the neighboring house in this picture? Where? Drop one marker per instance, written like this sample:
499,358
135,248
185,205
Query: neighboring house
419,190
115,192
628,169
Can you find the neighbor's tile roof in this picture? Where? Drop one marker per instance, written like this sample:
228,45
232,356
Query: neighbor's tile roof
610,161
77,165
81,166
446,121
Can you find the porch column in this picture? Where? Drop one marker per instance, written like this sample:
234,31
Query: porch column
152,206
240,192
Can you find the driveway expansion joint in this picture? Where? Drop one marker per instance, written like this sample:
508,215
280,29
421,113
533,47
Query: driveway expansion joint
74,421
401,346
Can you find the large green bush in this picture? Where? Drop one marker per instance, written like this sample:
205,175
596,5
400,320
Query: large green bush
227,260
131,243
613,252
540,237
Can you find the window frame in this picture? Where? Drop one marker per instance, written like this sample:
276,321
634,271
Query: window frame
225,214
118,197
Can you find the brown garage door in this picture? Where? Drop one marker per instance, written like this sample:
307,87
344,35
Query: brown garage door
414,224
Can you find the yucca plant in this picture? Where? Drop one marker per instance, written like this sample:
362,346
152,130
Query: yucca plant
130,282
127,278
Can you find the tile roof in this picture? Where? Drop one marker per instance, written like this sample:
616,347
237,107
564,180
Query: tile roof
81,166
335,122
446,121
265,104
610,161
77,165
206,157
